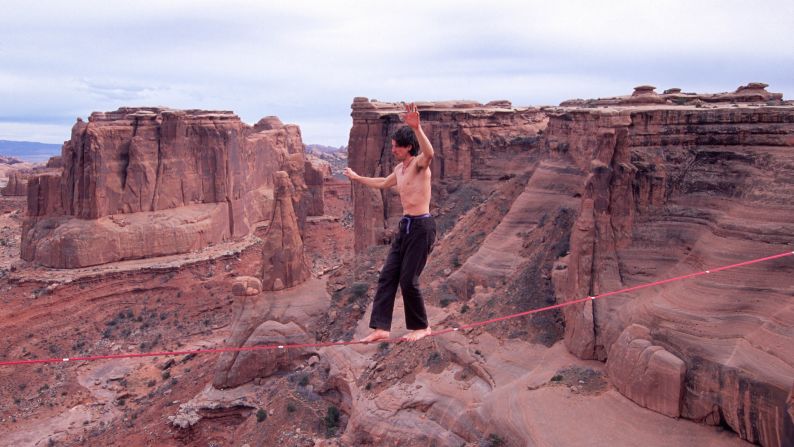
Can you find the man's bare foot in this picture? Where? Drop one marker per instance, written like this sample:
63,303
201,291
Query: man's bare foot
418,334
377,334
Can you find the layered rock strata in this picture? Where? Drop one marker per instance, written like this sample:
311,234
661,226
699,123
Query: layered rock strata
646,373
267,317
472,141
143,182
660,186
671,190
753,92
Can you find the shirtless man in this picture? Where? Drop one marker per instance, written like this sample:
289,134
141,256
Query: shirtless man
416,232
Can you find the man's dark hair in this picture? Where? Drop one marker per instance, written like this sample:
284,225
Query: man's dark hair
405,137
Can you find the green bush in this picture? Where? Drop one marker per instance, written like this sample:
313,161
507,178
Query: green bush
359,289
494,440
331,420
261,415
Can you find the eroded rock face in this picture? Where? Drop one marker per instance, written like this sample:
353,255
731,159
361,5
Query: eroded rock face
18,173
267,319
267,316
16,186
315,173
671,190
200,177
246,286
662,185
283,263
646,373
753,92
471,142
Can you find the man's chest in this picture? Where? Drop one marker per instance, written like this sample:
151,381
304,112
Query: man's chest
406,176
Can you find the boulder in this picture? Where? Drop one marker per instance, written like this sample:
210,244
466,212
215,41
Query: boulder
646,373
246,286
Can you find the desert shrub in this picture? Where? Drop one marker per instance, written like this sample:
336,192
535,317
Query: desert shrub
331,420
493,440
359,289
261,415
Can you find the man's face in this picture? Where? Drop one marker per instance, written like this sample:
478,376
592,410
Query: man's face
400,152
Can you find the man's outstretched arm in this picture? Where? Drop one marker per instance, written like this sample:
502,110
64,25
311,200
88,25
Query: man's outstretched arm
411,118
372,182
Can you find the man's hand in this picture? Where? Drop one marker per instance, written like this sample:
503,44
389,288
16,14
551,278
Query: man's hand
411,116
351,174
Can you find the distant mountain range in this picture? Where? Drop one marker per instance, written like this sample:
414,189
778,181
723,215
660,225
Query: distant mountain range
29,150
37,152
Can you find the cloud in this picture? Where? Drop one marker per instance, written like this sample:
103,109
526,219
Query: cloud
305,61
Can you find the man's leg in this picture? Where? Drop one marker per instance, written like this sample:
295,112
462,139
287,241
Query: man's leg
416,251
383,304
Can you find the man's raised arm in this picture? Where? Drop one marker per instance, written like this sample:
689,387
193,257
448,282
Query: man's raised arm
411,118
372,182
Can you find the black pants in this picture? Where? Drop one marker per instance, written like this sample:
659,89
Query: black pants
407,257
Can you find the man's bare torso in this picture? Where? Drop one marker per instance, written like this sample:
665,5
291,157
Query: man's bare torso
414,187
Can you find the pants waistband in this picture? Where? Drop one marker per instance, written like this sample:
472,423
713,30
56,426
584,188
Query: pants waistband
408,218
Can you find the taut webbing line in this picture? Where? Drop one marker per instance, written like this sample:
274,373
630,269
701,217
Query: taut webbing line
393,340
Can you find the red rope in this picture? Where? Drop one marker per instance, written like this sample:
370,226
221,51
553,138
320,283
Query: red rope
393,340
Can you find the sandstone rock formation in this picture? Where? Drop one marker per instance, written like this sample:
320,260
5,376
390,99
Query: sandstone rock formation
315,173
659,186
476,389
17,184
646,373
246,286
283,262
673,190
17,173
472,142
55,162
142,182
270,319
754,92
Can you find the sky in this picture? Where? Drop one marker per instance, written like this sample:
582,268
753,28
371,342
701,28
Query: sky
305,61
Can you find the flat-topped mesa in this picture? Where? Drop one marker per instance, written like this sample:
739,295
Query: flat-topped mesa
152,181
752,93
666,191
472,141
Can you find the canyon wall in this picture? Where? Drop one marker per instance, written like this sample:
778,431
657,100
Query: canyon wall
656,186
472,142
671,190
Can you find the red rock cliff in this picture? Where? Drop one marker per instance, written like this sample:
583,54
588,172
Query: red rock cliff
471,141
141,182
671,190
